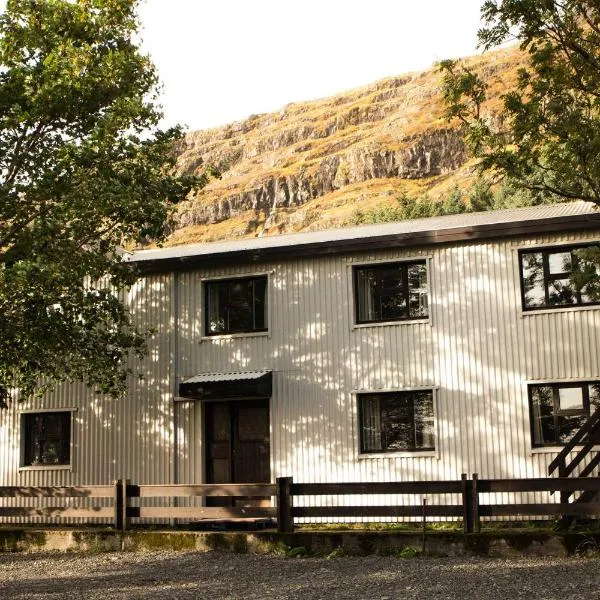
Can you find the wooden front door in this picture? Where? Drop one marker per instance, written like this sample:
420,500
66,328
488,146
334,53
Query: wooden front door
237,443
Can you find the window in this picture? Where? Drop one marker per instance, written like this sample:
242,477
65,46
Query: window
390,292
558,410
396,421
560,276
47,438
236,305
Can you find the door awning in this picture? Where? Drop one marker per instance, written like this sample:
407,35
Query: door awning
227,386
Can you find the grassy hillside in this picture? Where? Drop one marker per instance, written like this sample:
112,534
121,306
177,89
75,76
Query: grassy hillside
313,164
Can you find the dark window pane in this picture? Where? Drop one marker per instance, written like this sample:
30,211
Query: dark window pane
424,421
594,392
391,292
417,287
560,292
370,417
47,438
568,427
236,305
239,308
542,398
260,303
398,424
533,279
397,421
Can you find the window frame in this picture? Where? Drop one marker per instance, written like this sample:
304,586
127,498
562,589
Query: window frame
23,432
402,452
557,412
382,264
205,285
548,278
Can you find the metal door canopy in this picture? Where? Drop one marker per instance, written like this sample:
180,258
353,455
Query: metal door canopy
227,386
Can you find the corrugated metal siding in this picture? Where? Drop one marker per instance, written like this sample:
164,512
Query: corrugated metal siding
129,437
478,350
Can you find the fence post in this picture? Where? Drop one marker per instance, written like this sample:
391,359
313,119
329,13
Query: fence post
475,521
562,472
118,504
467,498
125,522
285,521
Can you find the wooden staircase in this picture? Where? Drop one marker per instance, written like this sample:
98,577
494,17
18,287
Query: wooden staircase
587,437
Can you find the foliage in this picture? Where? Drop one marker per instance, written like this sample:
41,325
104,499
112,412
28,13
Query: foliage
480,195
406,552
84,168
298,552
547,137
337,552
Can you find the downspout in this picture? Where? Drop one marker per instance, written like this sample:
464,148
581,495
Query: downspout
175,377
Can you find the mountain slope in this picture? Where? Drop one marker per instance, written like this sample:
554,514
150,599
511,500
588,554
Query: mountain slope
313,164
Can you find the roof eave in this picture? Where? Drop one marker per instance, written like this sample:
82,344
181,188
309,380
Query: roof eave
347,246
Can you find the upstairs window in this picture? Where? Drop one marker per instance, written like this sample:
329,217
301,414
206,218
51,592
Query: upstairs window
558,410
560,276
236,305
47,438
390,292
396,421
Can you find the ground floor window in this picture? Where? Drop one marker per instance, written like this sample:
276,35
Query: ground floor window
46,438
558,410
396,421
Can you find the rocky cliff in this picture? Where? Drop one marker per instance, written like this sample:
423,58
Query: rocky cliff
312,164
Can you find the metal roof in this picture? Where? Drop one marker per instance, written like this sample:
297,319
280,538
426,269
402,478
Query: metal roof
236,376
517,221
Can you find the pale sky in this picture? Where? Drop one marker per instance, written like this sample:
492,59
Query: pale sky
224,60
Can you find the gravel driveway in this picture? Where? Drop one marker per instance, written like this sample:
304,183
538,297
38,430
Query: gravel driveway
220,576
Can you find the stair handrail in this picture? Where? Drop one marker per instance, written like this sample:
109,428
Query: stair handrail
587,428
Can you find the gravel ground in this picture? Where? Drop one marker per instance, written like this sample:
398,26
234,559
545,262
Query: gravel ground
229,576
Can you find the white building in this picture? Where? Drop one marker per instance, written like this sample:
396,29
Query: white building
417,350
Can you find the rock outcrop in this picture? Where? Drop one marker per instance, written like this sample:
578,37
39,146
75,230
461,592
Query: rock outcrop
391,132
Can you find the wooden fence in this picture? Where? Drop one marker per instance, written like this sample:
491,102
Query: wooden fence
128,501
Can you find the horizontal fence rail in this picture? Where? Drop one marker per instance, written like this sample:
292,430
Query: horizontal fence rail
71,493
124,501
237,493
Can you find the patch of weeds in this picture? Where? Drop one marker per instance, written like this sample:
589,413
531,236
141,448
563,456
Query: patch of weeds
407,552
588,547
327,526
280,549
298,552
444,526
336,553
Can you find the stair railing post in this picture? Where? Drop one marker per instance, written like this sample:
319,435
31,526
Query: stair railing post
285,521
562,472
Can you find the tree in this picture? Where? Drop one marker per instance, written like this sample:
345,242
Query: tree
547,137
84,169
